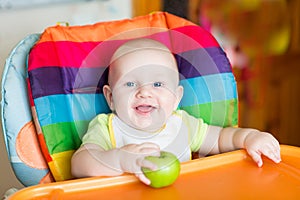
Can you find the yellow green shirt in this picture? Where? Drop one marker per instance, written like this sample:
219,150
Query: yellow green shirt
181,135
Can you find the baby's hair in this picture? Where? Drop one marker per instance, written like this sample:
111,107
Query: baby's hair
139,44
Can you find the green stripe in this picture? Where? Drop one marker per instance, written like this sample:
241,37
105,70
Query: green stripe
64,136
221,113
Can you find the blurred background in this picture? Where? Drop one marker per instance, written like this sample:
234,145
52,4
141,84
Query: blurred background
260,37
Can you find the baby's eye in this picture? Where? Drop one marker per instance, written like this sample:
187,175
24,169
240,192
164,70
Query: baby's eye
157,84
130,84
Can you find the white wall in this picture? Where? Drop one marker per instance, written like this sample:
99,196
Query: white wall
15,24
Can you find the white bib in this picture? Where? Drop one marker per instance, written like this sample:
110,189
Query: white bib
174,137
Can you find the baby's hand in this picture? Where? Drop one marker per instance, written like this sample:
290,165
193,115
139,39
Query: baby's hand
132,158
262,143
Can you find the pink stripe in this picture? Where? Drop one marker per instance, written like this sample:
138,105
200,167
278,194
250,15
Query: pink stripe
58,54
71,54
197,33
87,54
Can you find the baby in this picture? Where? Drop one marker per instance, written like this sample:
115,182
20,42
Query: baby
143,93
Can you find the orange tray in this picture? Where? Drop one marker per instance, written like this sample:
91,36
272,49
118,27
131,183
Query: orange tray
230,175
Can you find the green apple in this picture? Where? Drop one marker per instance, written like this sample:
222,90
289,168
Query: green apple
168,169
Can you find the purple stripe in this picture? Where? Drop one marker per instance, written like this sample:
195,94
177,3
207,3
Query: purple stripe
202,62
67,80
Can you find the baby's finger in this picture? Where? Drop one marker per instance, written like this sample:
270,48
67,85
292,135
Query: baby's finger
147,164
149,145
150,149
256,157
272,154
277,150
150,165
150,152
143,178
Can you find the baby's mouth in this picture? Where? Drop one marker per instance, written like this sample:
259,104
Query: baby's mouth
144,109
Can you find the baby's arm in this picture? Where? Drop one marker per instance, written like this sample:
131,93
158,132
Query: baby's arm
92,160
255,142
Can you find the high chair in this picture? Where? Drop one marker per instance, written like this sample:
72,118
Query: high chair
52,86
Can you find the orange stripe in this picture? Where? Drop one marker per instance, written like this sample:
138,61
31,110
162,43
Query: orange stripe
44,147
111,29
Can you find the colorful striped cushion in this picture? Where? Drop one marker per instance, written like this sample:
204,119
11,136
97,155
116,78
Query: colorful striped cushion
68,66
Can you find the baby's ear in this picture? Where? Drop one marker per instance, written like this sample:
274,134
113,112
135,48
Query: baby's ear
108,96
179,94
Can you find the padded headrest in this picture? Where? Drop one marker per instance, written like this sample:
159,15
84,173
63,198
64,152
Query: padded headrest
20,136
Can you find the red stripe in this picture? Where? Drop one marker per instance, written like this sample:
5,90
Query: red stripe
29,93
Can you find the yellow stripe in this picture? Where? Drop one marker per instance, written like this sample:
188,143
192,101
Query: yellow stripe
60,165
111,131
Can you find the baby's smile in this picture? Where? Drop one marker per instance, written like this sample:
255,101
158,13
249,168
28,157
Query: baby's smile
145,109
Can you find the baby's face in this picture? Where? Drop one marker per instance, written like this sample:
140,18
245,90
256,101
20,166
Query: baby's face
144,88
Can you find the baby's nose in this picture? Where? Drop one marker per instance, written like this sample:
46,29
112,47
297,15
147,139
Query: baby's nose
145,91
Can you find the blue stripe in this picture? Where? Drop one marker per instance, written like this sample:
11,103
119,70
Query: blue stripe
77,107
68,108
210,88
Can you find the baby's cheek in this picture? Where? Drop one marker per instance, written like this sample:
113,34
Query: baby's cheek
173,103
